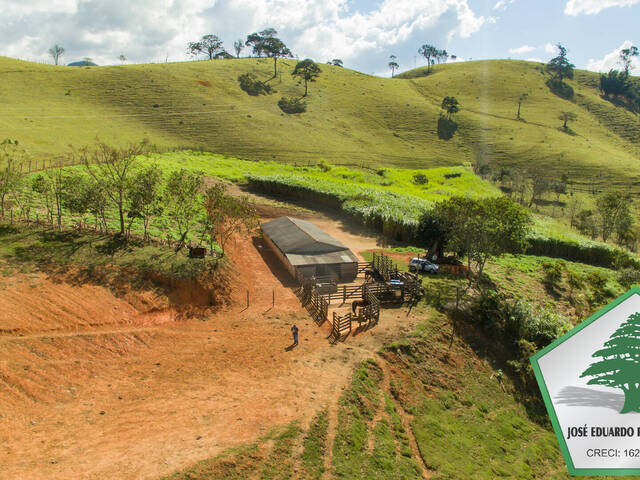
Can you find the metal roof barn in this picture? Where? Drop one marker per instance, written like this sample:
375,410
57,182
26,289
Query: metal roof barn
308,251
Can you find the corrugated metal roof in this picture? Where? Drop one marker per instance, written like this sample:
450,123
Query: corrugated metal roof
293,235
344,256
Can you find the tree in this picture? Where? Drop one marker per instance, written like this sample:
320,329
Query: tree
228,215
209,45
539,186
450,105
429,52
481,228
182,198
619,366
442,56
56,52
567,117
122,58
336,62
57,185
612,207
11,158
113,168
521,99
615,83
145,196
393,65
238,46
76,194
626,58
559,67
306,70
266,42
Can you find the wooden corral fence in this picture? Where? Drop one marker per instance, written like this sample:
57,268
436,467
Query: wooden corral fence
371,294
316,304
364,266
366,317
384,266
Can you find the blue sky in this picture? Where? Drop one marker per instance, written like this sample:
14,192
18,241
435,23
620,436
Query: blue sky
362,33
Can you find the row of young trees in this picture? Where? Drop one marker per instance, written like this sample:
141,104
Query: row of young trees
115,185
610,218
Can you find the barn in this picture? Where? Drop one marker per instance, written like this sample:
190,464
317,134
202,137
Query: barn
306,250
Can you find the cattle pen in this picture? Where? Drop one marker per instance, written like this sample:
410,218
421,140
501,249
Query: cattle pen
383,284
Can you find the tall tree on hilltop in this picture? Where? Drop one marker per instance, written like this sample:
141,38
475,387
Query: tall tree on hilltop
306,70
56,52
266,42
393,65
429,52
619,366
559,66
209,45
626,58
238,46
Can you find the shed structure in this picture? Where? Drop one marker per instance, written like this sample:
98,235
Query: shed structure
306,250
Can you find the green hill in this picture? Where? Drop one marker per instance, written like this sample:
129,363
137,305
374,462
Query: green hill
352,118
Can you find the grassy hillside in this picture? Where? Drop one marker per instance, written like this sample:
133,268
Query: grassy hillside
352,118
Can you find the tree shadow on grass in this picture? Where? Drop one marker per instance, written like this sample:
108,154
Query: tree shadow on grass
446,128
587,397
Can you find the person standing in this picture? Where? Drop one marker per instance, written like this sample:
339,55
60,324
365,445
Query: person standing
294,332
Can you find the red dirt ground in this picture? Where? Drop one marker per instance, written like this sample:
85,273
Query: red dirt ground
92,388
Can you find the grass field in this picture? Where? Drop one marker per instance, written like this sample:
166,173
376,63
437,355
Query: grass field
352,118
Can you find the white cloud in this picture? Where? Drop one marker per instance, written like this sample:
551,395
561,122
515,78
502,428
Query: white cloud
535,59
550,48
150,30
612,60
591,7
521,50
502,4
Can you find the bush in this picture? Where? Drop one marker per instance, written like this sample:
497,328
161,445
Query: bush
518,320
292,105
553,273
452,175
629,277
324,165
254,87
420,179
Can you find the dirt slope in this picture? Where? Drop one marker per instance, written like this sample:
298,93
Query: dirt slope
91,388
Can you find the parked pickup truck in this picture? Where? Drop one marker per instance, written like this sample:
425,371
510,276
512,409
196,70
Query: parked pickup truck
422,265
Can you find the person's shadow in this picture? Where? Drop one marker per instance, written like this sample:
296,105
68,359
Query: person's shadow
291,347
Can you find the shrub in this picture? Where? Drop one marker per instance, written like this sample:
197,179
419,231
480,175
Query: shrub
420,179
324,165
629,277
553,273
254,87
292,105
597,280
382,172
452,175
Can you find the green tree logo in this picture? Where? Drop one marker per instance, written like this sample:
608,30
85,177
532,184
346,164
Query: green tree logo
620,364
